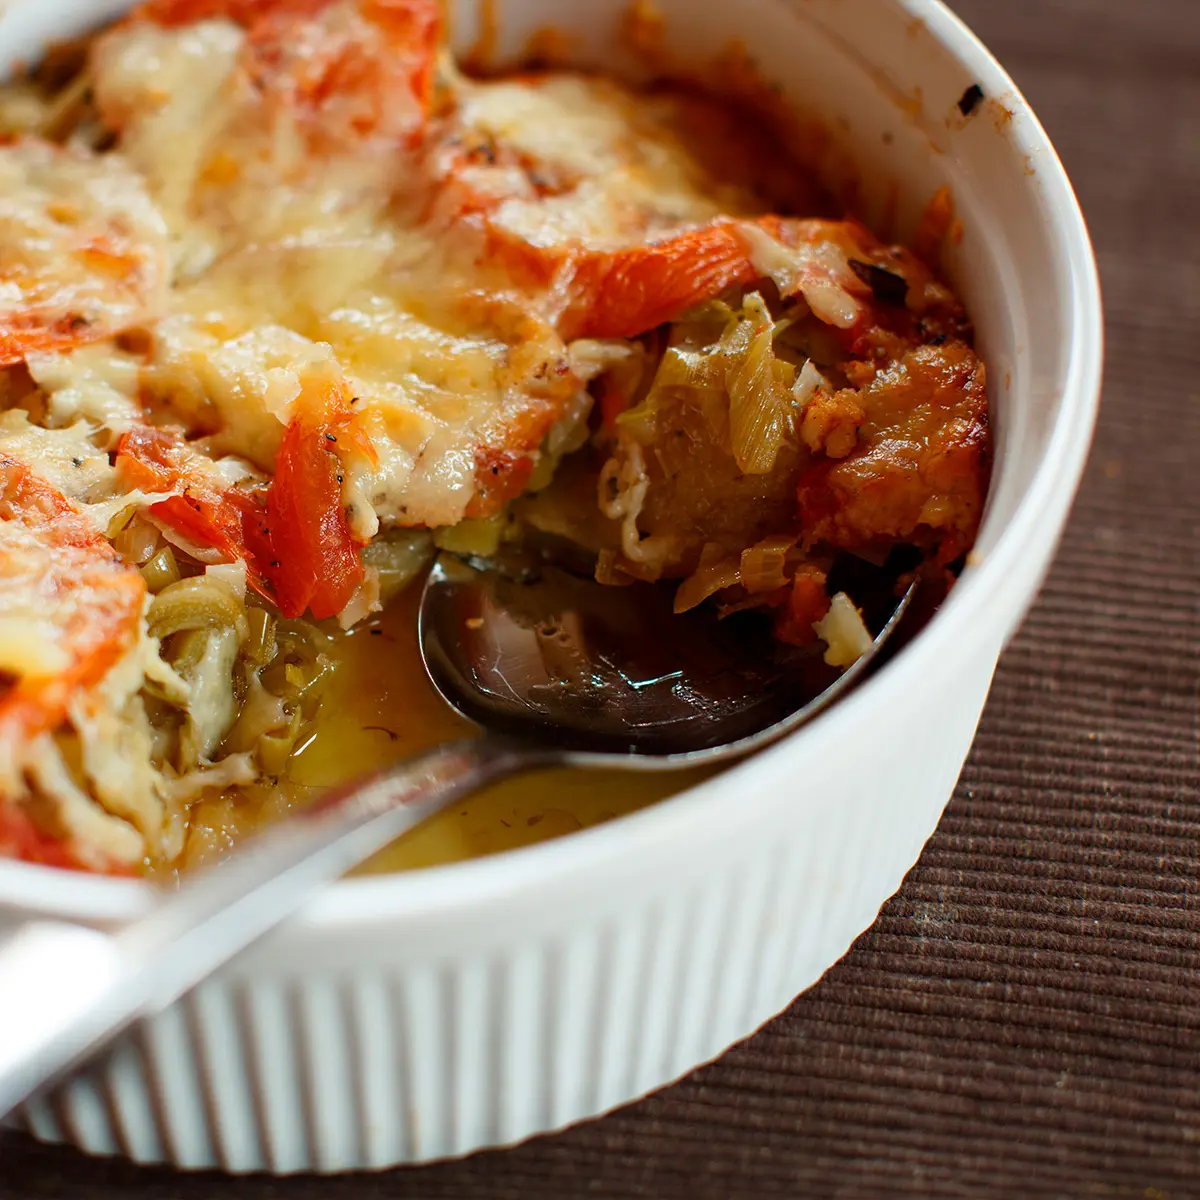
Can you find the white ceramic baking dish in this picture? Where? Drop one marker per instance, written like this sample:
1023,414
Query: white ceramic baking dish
416,1016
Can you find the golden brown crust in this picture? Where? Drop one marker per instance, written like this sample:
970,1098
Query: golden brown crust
919,472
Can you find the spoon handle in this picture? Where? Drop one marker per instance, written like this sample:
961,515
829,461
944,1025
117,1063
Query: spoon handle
65,991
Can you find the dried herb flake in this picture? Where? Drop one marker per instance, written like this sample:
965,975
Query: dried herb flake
886,286
970,100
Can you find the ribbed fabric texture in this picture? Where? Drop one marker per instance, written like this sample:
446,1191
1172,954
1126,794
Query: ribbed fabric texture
1024,1019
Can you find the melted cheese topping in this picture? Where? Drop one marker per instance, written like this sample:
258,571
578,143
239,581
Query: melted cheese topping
288,262
225,149
616,170
96,383
81,248
71,462
67,459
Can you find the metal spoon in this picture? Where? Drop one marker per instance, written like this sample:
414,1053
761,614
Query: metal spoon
557,669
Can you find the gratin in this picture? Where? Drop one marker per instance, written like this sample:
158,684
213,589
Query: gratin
287,302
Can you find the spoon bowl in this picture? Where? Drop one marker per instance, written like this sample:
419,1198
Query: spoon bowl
535,652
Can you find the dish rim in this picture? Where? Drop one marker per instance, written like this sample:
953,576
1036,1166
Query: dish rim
454,887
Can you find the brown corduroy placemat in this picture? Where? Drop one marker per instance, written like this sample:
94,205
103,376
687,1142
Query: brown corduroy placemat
1024,1018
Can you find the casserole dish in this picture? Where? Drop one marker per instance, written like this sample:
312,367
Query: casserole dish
419,1015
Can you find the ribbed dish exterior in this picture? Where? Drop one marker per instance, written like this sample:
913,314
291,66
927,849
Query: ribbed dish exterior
435,1054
